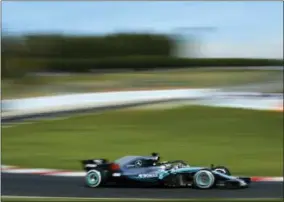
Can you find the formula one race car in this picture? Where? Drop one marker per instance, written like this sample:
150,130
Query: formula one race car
149,171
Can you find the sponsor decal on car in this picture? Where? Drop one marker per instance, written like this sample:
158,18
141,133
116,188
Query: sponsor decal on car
98,161
91,165
150,175
116,174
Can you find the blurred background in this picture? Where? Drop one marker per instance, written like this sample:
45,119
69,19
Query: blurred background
203,54
67,47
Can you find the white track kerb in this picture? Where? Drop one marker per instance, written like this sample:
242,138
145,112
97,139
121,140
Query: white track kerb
66,173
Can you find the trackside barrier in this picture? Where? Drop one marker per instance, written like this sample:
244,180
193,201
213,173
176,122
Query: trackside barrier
102,98
245,103
30,107
91,100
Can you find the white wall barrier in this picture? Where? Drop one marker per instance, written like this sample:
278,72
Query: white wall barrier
245,103
85,100
213,97
245,100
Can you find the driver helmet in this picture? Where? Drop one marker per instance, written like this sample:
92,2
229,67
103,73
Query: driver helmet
156,156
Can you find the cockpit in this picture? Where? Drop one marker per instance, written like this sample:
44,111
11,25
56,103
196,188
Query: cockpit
138,161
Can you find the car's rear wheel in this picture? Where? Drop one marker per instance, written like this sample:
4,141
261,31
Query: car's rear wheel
203,179
93,178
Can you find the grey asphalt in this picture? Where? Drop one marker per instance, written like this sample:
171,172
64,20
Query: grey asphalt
36,185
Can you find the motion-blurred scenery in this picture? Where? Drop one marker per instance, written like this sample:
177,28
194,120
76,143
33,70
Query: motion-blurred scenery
197,81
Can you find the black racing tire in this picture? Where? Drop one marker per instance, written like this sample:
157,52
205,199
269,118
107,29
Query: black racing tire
94,178
204,179
223,170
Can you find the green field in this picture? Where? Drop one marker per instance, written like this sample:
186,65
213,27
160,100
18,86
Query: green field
199,77
249,142
190,78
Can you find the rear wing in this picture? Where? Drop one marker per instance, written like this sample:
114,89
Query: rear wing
93,163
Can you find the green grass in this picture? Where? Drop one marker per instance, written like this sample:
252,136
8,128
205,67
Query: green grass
249,142
191,78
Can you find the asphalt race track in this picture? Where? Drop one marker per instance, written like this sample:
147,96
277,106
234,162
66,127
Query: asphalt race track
36,185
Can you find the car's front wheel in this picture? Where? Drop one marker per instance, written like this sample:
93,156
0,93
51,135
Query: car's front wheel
93,178
203,179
